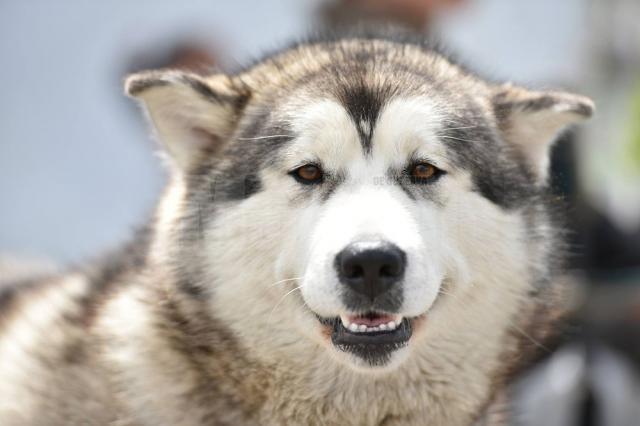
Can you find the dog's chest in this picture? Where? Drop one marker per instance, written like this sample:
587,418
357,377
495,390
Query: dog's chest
366,403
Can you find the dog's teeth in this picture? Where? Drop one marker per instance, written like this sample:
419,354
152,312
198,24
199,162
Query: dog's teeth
345,322
362,328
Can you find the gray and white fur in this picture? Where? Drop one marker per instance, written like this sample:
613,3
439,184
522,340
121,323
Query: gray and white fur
233,307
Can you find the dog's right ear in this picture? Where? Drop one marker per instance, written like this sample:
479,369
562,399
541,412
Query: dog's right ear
193,116
532,120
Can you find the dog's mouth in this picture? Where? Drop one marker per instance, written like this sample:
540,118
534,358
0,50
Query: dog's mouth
372,336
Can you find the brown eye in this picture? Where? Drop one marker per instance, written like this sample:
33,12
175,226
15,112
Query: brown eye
307,174
423,172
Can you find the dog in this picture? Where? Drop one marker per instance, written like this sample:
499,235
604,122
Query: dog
356,231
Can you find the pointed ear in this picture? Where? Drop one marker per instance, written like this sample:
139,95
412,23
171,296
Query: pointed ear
193,116
532,121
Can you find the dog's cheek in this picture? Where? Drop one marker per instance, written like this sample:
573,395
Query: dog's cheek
297,231
249,234
319,240
487,241
449,250
427,262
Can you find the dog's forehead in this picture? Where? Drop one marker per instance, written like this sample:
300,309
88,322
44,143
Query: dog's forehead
336,130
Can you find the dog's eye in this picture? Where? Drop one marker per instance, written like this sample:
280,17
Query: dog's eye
308,174
423,172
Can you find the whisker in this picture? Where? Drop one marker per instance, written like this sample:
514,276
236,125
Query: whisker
534,341
284,281
280,301
264,137
461,128
458,139
448,293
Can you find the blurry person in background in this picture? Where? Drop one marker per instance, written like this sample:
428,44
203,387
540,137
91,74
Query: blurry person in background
416,15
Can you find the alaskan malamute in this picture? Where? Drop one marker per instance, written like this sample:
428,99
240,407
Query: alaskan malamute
357,231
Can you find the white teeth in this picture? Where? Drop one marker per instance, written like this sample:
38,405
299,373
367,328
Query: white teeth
345,321
362,328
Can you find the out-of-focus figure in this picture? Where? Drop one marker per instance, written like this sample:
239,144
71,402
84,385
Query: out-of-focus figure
414,14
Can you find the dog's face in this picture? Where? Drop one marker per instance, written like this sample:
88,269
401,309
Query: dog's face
368,239
341,189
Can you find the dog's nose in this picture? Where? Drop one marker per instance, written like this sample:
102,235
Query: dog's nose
370,268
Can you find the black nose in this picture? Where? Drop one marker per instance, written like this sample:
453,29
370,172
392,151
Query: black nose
370,268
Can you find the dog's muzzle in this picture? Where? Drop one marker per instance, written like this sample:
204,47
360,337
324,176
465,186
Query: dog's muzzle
371,328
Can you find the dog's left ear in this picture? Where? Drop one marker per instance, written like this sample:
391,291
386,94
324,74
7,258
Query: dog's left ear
193,115
533,120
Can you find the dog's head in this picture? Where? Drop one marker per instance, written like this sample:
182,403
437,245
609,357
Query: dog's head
340,189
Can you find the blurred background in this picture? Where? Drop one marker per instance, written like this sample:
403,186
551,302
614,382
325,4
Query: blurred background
78,170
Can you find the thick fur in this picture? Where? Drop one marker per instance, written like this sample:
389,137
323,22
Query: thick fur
210,317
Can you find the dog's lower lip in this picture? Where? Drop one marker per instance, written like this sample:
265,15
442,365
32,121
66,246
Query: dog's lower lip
392,336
